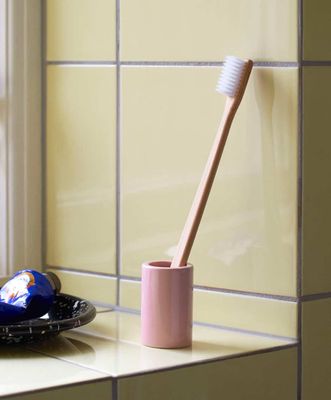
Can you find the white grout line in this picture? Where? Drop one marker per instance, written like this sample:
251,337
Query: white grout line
299,199
43,135
82,272
89,63
118,154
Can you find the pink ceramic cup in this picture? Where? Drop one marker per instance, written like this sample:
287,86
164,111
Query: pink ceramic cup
166,305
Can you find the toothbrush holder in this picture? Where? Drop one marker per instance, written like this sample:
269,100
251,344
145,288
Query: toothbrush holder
166,305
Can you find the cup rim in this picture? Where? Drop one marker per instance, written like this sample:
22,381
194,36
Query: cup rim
165,266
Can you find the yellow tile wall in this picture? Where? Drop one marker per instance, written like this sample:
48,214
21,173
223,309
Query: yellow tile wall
316,253
79,30
130,115
250,220
195,30
220,380
134,139
80,137
316,349
130,294
98,289
316,180
317,30
131,112
316,197
102,390
251,313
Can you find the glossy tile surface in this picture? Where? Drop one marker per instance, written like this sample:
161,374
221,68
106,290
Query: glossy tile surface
316,349
189,30
111,344
130,292
247,238
110,347
316,30
257,314
79,30
81,167
237,311
32,371
269,376
99,289
100,390
316,180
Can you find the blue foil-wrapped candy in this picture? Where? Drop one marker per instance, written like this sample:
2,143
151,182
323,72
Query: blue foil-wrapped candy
28,294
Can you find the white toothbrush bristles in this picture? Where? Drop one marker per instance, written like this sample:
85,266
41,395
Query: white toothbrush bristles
231,75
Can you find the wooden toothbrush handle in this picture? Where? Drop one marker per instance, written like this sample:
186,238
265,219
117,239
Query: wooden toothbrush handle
201,196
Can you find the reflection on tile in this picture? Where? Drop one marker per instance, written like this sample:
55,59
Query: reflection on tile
269,376
99,390
316,30
316,349
81,168
111,344
32,371
316,180
78,30
99,289
189,30
247,239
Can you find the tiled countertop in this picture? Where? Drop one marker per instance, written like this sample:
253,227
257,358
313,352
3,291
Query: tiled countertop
109,347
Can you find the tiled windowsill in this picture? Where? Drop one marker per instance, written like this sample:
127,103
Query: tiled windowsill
109,348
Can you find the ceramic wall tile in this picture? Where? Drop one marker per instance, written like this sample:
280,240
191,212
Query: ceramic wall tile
81,30
100,390
99,289
316,180
198,30
130,294
316,30
316,349
269,376
246,312
247,239
81,167
34,371
236,311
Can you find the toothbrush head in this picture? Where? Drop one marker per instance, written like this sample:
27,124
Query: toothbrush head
234,76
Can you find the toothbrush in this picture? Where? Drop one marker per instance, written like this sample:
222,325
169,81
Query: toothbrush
232,83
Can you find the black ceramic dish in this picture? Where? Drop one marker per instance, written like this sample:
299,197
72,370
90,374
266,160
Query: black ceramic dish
67,312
